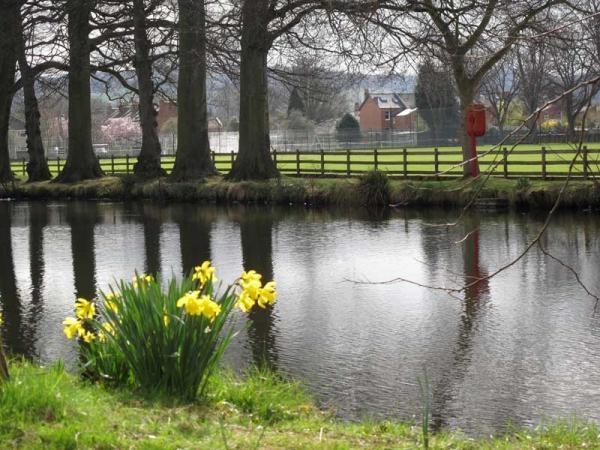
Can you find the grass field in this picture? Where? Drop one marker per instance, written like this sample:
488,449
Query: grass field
47,408
523,161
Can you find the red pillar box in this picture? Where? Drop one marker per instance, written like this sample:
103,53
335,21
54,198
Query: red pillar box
476,127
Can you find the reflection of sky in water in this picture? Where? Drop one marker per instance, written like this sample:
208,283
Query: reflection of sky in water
519,348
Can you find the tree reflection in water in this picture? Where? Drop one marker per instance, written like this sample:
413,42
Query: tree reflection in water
475,296
256,229
82,218
195,225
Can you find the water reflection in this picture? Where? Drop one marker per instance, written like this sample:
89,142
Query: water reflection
82,218
256,229
522,346
152,218
195,226
476,291
15,335
38,221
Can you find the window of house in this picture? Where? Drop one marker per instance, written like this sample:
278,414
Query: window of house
388,115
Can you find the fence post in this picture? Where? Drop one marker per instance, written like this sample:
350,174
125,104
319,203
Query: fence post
214,157
112,164
322,162
586,168
127,164
297,162
375,158
233,160
436,161
58,163
405,162
23,166
505,162
543,163
348,171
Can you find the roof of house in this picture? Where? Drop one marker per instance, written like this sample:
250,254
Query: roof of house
388,101
391,100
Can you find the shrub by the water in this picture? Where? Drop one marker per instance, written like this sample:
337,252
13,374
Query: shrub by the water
167,339
523,184
374,188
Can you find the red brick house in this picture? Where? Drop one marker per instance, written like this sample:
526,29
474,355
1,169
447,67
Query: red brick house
387,111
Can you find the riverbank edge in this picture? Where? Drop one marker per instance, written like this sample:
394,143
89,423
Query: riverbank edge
46,407
316,192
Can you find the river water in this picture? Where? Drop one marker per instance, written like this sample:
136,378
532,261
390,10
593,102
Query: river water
521,348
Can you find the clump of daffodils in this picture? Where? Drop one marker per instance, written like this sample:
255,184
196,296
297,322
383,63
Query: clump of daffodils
85,312
254,293
164,336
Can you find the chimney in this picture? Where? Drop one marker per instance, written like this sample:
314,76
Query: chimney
367,93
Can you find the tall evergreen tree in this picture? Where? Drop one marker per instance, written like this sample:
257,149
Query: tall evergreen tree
296,102
435,97
348,128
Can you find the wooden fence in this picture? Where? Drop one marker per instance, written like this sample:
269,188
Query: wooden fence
405,163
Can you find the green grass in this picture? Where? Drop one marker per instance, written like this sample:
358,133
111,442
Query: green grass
525,159
46,408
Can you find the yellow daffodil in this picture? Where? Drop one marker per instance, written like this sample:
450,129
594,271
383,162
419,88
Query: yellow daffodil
108,328
1,319
204,273
245,302
110,303
267,295
196,305
88,337
141,280
72,326
191,303
211,309
166,320
84,309
101,336
250,278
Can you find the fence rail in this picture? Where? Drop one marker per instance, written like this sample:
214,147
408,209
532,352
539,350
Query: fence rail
432,163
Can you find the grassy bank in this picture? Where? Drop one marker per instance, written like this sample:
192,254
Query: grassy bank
50,409
314,191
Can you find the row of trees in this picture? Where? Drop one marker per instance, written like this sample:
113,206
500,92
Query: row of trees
162,47
535,71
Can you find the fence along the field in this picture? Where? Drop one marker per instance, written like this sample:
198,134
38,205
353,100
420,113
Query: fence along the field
405,163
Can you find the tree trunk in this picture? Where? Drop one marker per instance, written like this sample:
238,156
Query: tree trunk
8,62
193,159
37,167
82,163
571,117
466,97
254,156
148,165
